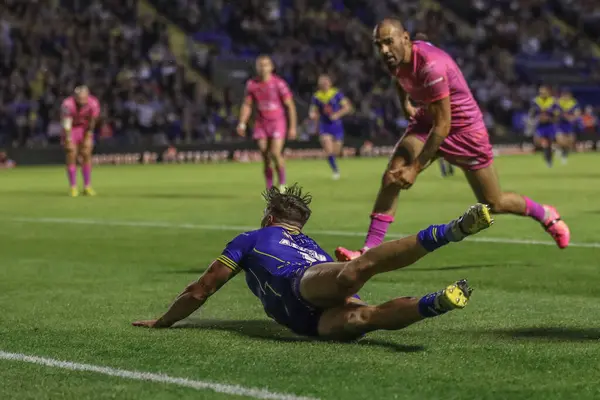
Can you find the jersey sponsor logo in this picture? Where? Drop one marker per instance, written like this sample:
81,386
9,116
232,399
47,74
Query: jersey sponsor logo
307,254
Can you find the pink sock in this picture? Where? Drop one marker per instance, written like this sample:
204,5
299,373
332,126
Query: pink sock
269,177
86,171
281,175
377,230
72,174
534,210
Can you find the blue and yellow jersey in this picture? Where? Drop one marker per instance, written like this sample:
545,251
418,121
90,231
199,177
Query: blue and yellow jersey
272,258
569,108
327,103
545,109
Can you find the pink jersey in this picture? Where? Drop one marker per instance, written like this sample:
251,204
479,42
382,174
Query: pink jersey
83,115
269,97
433,75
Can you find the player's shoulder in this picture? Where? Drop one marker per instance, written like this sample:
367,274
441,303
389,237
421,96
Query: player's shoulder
252,82
93,100
68,102
279,81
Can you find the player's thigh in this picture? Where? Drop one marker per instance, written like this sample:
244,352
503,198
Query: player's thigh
327,143
485,184
407,149
564,139
405,152
276,146
319,285
263,145
338,145
347,322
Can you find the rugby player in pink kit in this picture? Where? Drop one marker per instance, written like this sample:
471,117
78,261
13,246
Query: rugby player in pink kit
449,124
272,97
79,115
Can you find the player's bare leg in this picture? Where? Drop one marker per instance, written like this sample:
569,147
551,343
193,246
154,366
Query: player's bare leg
331,149
565,143
276,152
486,186
263,146
71,165
353,320
546,146
86,150
387,198
330,284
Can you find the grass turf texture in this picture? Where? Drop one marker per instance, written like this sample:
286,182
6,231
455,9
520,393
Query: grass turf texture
69,291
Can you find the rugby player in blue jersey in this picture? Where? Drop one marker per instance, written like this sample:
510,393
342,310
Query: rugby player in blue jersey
302,288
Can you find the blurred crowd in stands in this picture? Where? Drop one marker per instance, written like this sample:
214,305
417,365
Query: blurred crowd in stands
148,93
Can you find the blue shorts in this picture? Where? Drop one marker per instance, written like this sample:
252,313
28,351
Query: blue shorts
546,131
302,317
334,130
566,128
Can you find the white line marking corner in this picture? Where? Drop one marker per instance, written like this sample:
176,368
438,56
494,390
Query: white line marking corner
236,228
235,390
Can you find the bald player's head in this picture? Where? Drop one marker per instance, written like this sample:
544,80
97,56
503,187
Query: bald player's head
393,42
81,94
264,66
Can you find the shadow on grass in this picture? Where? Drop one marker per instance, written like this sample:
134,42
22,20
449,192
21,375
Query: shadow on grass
551,333
269,330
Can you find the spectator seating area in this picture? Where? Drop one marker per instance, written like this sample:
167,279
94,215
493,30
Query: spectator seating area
504,48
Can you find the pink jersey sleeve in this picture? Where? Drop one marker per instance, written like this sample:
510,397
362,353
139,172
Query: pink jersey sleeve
435,81
94,106
67,108
284,90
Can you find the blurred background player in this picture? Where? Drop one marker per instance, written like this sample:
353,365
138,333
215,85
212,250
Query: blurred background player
450,124
80,113
544,110
329,106
568,123
272,97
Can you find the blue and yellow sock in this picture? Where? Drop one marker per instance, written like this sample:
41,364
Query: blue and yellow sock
434,237
429,306
332,163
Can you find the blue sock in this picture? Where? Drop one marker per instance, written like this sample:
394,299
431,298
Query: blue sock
443,168
428,306
433,237
332,163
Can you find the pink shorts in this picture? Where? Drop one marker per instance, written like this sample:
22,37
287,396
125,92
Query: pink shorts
275,129
470,150
77,135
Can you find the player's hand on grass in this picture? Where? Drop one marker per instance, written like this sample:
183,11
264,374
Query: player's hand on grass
292,133
152,323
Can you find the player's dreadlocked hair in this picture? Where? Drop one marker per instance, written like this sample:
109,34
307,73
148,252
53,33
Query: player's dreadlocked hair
290,206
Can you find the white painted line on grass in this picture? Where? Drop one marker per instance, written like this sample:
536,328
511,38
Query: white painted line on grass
237,228
235,390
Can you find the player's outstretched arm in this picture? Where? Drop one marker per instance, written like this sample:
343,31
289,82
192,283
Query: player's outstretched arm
193,297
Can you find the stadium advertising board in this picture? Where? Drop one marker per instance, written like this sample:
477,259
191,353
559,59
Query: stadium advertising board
242,152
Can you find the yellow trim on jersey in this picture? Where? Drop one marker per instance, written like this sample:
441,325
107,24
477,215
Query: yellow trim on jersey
545,104
268,255
228,262
566,104
325,97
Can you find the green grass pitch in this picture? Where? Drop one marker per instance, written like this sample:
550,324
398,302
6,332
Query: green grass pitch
75,272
